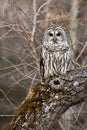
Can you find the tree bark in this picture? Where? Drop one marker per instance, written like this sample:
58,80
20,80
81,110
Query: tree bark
48,100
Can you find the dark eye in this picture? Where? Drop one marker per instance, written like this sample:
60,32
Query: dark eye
58,34
50,34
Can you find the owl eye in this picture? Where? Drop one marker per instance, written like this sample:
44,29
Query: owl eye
50,34
58,34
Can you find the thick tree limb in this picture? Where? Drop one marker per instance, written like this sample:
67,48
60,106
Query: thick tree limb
47,101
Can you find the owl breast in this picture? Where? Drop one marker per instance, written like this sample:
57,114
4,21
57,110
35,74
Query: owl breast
55,62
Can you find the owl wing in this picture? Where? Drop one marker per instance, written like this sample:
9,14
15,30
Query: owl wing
42,67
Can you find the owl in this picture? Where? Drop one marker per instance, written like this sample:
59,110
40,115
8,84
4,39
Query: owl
55,53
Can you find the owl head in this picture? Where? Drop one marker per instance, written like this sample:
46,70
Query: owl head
55,35
55,39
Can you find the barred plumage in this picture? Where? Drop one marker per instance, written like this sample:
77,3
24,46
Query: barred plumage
55,55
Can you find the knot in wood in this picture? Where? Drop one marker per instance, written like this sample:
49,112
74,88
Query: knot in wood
56,83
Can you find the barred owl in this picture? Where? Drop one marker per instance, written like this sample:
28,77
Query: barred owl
55,53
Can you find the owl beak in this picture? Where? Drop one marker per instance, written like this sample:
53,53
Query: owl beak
54,39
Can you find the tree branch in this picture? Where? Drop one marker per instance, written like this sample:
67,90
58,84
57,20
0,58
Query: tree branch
46,102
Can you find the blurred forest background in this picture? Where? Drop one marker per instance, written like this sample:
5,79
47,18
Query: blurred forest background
22,23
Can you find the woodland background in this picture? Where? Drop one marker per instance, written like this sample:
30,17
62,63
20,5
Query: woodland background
22,24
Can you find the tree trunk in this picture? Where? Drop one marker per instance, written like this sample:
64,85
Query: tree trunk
46,102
